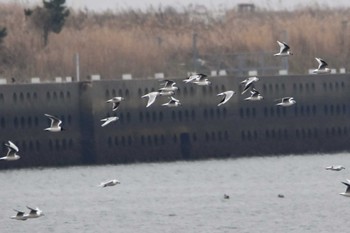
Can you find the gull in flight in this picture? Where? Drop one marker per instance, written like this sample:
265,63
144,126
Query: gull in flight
108,120
116,102
166,93
151,97
169,86
284,49
347,191
172,102
286,102
55,124
255,95
322,67
201,81
193,77
12,149
227,95
248,83
335,168
19,215
34,213
109,183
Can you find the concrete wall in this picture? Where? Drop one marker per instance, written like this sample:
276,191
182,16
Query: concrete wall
198,129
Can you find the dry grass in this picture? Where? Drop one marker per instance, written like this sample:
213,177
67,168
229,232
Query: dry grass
144,43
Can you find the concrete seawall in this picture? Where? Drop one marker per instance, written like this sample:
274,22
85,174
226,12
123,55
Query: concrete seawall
319,122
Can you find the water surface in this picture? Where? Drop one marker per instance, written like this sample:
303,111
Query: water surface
183,196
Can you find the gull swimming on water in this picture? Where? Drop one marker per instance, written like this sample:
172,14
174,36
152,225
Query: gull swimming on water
284,49
19,215
151,97
116,102
227,95
286,102
34,213
335,168
109,183
11,155
55,124
108,120
249,82
172,102
347,191
322,67
255,95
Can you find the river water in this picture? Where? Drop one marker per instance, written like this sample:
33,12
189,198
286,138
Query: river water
183,196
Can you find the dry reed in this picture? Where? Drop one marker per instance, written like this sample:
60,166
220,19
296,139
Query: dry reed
144,43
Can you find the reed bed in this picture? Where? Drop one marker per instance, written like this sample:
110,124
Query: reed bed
144,43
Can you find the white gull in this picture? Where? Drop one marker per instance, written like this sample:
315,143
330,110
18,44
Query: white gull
12,150
172,102
322,67
248,83
286,102
284,49
255,95
55,124
109,183
116,102
227,95
108,120
335,168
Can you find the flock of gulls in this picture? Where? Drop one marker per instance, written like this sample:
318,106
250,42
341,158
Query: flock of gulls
168,89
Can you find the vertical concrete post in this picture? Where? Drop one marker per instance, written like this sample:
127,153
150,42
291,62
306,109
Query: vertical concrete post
87,123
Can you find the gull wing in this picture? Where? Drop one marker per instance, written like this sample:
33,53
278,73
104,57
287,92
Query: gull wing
283,47
168,83
55,121
254,92
115,106
321,63
11,146
227,95
19,213
32,210
348,187
151,98
108,120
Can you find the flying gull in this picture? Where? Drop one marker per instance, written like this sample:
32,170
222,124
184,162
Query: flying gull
255,95
322,67
169,85
286,102
55,124
193,77
172,102
12,149
284,49
151,97
201,81
108,120
227,95
116,102
248,83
